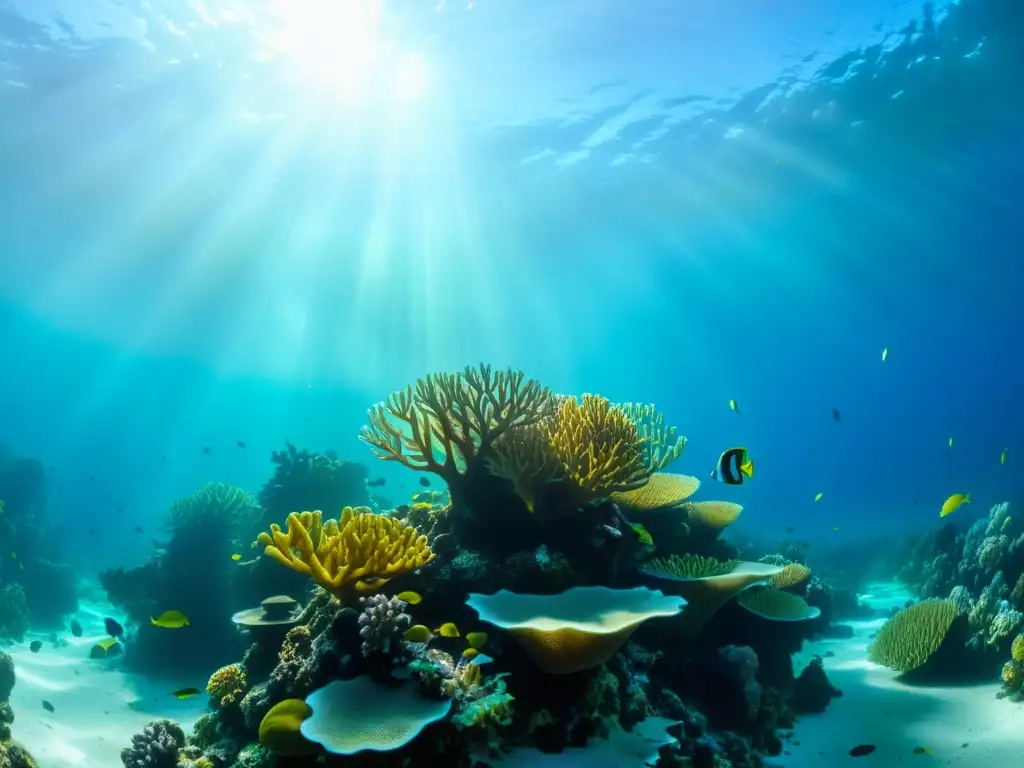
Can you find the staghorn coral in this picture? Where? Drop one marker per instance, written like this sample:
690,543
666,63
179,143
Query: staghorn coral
907,640
156,747
353,556
448,421
382,619
228,684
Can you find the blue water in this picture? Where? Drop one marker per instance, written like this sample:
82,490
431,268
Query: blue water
211,233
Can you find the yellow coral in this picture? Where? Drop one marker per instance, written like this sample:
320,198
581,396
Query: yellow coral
355,555
908,639
713,514
1017,649
661,491
790,576
228,684
449,419
598,446
524,457
1011,675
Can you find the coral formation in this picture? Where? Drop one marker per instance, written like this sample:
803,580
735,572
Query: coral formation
382,620
156,747
907,640
354,555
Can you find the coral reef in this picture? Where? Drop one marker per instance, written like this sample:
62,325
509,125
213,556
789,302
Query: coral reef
156,747
382,621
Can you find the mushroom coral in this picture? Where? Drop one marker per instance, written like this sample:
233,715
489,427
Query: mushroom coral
358,715
907,640
355,555
577,629
447,421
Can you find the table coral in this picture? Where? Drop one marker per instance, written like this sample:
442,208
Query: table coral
353,556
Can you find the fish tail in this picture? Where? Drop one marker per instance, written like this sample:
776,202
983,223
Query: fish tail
748,468
967,498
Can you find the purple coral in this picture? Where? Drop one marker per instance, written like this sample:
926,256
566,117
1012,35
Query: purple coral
156,747
382,618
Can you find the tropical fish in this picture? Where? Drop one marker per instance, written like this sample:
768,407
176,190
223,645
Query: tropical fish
835,414
862,749
733,465
447,630
376,483
47,706
734,406
107,643
113,628
642,534
76,628
424,481
885,354
480,659
170,620
952,504
818,496
410,597
35,645
951,443
469,653
186,693
836,528
240,444
418,634
236,557
1002,460
922,751
611,530
476,639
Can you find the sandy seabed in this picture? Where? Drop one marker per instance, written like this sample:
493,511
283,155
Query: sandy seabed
965,726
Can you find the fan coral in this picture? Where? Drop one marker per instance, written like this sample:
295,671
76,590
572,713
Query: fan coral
907,640
790,576
355,555
381,620
228,684
156,747
448,420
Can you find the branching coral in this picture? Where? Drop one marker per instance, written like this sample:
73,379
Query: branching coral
447,421
355,555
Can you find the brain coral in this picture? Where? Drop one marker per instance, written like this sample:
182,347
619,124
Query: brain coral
908,639
576,629
357,715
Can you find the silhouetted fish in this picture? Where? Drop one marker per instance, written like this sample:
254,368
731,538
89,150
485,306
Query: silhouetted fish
114,629
206,450
76,628
35,645
138,529
47,706
163,458
376,483
92,478
835,415
424,481
239,443
862,749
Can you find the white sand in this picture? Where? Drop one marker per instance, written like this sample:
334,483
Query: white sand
878,709
97,708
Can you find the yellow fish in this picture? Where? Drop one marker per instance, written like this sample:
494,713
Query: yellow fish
818,496
447,630
885,354
107,643
186,693
170,620
412,598
734,406
952,504
1002,457
476,639
951,443
643,534
236,557
470,653
418,634
922,751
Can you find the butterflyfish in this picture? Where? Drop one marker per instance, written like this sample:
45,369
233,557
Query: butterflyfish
733,466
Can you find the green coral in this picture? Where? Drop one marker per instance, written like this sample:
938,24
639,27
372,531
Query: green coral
689,566
217,505
907,640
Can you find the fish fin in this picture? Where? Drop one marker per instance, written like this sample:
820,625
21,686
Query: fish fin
747,468
967,498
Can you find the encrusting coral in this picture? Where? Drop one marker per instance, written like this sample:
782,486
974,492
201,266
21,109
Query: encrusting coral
353,556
